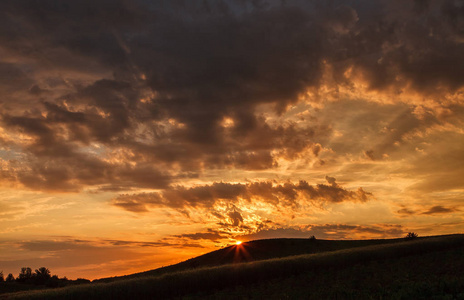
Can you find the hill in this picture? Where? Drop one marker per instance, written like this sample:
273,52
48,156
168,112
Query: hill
256,251
423,268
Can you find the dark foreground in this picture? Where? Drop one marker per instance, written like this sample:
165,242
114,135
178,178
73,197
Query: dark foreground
423,268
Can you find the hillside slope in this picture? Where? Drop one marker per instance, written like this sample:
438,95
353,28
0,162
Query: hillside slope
258,250
419,269
432,275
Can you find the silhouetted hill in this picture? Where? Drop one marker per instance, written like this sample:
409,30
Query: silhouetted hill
420,268
258,250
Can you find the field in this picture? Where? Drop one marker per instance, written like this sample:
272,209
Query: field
422,268
258,250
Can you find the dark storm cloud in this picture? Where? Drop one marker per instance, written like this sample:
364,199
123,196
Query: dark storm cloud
46,143
82,171
13,78
396,45
194,52
37,28
83,68
57,155
205,196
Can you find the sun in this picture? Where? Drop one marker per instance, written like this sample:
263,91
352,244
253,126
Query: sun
238,242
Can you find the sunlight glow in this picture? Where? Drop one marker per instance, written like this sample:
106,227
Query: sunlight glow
238,242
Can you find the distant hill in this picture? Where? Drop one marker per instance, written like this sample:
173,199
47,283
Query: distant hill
258,250
421,268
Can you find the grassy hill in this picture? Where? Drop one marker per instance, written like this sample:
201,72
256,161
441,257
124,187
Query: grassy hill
423,268
255,251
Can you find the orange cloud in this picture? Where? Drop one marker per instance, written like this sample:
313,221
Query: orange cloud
207,196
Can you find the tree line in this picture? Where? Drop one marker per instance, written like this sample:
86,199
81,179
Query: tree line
41,276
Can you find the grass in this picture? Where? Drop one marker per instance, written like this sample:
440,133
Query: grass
400,270
413,277
11,287
258,250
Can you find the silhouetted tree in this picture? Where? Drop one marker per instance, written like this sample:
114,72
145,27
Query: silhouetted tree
411,235
25,274
43,272
1,277
54,281
10,278
41,275
312,238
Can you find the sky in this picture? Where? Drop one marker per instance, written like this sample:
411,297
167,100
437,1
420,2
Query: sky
137,134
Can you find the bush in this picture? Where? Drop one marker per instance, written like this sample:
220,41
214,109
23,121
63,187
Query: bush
411,235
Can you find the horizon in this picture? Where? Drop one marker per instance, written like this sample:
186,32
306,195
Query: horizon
139,134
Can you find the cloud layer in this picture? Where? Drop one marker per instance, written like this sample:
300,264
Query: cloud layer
202,121
148,90
288,195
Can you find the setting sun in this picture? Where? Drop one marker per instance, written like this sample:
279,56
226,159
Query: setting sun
143,133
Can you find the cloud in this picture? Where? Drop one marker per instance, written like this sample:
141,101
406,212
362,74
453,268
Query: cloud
46,245
206,196
440,168
154,83
9,211
229,114
406,211
210,234
328,231
73,257
76,244
235,217
67,254
438,209
433,210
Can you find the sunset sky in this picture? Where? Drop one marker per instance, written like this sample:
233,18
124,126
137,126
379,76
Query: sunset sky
136,134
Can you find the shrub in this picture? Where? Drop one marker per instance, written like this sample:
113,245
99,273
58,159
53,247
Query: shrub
411,235
312,238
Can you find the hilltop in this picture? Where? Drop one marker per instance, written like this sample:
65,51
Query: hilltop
421,268
258,250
